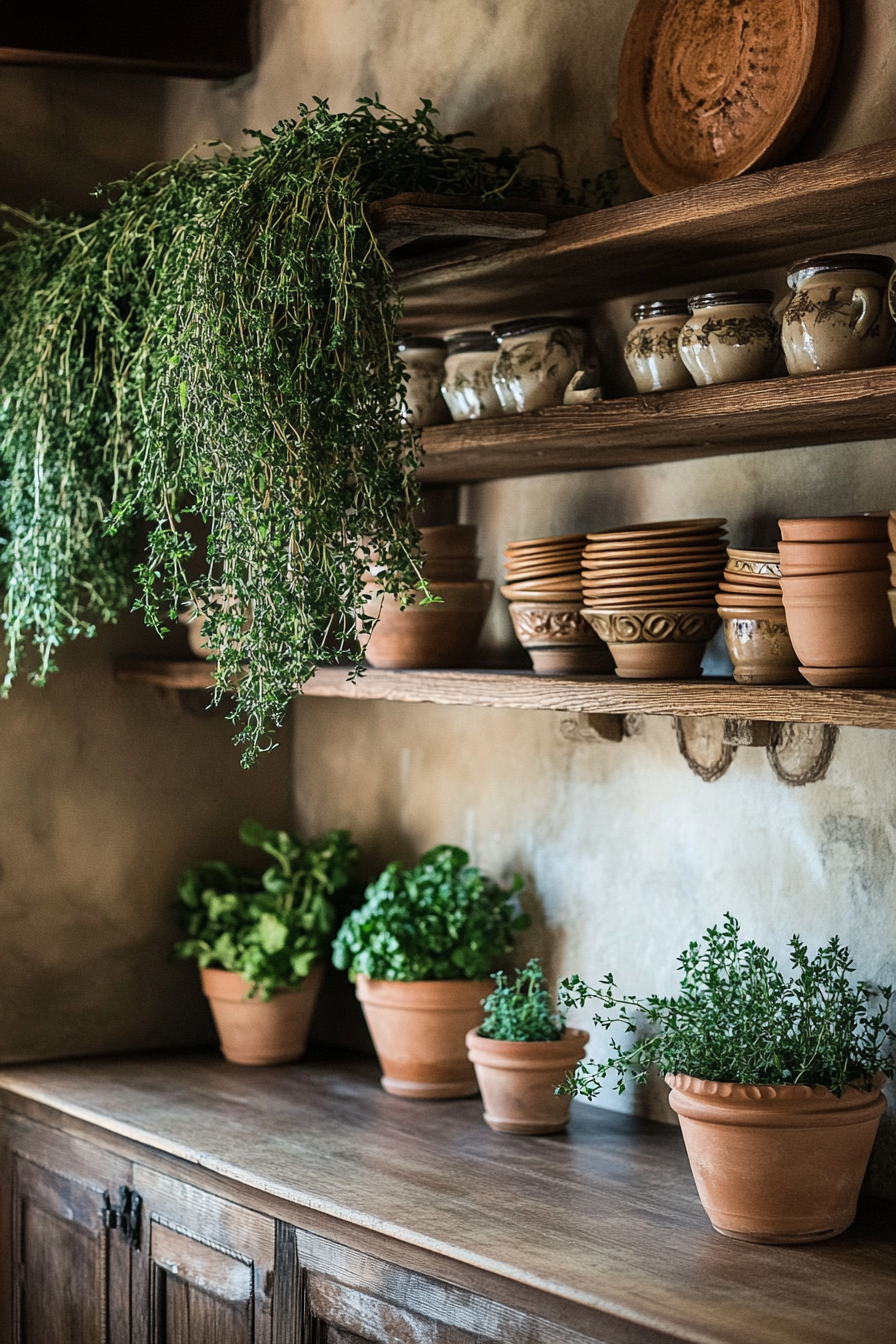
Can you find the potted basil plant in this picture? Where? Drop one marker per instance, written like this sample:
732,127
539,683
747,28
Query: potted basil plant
260,939
777,1082
419,950
522,1055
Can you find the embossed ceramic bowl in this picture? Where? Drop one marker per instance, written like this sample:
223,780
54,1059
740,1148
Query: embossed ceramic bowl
756,564
660,643
759,645
556,636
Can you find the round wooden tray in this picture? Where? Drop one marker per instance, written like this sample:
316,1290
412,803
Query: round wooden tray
709,89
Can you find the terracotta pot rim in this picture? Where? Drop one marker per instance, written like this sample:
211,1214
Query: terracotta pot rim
790,1102
421,995
235,987
527,1055
747,613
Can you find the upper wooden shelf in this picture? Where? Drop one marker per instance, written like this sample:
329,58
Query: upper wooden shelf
582,695
764,219
665,427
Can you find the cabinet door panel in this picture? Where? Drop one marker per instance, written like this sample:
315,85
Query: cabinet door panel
207,1267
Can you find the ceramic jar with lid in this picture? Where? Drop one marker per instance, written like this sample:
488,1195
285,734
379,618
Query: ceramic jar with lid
468,388
536,361
651,347
836,316
424,359
730,337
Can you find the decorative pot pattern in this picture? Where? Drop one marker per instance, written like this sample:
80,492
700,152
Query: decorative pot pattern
419,1030
424,359
537,359
837,316
518,1080
776,1164
558,639
651,626
257,1032
468,387
730,337
651,347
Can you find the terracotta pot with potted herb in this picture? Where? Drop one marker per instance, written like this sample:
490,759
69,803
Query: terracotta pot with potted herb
259,939
777,1082
419,950
522,1054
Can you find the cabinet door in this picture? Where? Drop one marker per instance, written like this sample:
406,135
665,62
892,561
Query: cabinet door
204,1273
67,1274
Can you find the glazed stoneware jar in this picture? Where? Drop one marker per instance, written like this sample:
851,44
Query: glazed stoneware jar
837,315
537,359
730,337
651,347
424,359
468,388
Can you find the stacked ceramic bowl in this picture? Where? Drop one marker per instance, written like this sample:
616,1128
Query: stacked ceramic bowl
835,578
752,611
543,583
438,634
650,593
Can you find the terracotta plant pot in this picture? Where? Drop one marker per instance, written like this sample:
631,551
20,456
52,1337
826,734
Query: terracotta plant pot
759,646
840,620
440,634
252,1031
518,1080
846,527
776,1164
832,557
419,1030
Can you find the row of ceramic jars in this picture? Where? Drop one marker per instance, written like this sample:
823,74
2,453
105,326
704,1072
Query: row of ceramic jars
835,317
516,366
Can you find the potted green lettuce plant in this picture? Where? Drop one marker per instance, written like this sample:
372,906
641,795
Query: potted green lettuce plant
522,1055
260,939
419,951
777,1082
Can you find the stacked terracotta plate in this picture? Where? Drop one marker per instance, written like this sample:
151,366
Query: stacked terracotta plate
752,610
835,578
543,582
650,592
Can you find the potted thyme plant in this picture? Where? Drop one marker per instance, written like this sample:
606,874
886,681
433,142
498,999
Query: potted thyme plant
419,950
259,939
777,1081
522,1055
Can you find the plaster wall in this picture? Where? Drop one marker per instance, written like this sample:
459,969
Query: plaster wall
627,855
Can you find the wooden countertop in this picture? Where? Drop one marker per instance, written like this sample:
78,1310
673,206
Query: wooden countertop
605,1216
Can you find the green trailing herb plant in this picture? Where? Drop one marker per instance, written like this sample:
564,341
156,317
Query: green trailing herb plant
522,1011
270,928
738,1019
440,920
211,362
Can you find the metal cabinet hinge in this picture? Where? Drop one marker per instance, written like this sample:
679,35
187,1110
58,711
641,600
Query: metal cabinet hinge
125,1215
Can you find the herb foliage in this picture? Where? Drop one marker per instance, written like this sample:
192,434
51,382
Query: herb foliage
440,920
271,927
738,1019
522,1011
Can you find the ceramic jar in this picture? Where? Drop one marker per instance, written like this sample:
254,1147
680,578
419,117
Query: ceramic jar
651,347
536,361
468,388
424,360
759,645
837,316
730,337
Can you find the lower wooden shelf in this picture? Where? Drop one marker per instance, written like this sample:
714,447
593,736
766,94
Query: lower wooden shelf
584,695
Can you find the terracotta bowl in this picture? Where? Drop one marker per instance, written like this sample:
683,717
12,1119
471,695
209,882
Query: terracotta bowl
751,589
449,539
832,557
847,527
759,646
743,598
766,563
840,620
558,639
657,642
440,634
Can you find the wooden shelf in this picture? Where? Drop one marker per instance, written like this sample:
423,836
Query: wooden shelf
666,427
582,695
764,219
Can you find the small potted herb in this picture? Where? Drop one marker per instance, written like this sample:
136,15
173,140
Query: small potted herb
777,1081
522,1054
419,950
259,939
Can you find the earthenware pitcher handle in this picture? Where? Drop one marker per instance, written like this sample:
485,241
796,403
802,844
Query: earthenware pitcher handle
867,302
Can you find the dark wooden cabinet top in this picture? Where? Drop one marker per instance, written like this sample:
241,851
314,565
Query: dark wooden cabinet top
605,1216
